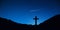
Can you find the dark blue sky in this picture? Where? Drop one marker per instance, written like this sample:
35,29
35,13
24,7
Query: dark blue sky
23,11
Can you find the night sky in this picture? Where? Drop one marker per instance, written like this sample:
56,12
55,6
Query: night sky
23,11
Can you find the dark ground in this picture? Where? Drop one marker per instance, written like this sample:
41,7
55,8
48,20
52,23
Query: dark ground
51,24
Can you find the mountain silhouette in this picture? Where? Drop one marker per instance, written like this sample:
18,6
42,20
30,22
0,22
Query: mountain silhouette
50,24
6,24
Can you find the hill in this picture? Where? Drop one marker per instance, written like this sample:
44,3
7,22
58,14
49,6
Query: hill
6,24
51,24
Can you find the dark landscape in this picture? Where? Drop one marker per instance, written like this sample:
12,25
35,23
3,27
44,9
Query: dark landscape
52,23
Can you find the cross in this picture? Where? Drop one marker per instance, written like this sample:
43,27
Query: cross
35,20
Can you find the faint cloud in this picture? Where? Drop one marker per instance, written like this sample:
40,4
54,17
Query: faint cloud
34,10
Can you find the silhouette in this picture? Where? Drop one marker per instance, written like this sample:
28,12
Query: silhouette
6,24
35,20
50,24
35,26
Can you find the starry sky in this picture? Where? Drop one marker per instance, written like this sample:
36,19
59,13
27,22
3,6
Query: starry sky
23,11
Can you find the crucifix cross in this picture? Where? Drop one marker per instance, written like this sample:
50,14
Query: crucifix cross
35,20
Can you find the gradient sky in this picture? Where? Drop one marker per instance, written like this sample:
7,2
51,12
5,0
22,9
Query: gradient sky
23,11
